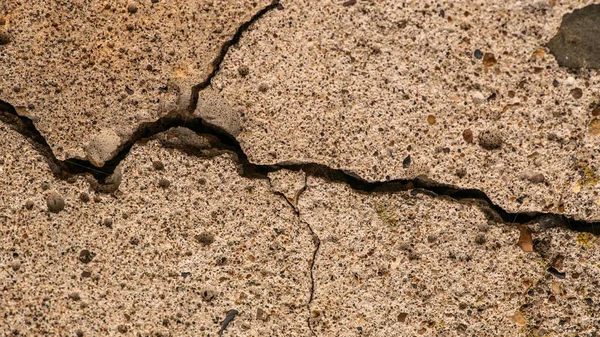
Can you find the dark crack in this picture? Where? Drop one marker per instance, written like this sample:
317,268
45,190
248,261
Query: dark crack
316,242
216,64
64,169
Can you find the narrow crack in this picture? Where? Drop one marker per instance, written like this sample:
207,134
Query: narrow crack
224,49
316,242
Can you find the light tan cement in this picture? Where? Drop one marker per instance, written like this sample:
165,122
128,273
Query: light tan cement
354,86
258,263
402,265
361,87
86,68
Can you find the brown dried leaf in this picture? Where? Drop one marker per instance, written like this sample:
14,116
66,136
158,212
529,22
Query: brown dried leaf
525,239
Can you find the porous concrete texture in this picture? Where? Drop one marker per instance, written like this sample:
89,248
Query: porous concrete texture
169,253
82,68
412,265
467,89
299,168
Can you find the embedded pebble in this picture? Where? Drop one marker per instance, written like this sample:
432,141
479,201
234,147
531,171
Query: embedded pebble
132,8
29,204
164,183
577,93
489,60
490,140
594,127
205,238
158,165
468,136
86,256
478,98
243,71
84,197
55,202
4,38
107,222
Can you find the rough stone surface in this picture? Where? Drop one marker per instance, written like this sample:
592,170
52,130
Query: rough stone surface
215,111
352,87
186,229
101,65
102,147
147,272
403,265
577,42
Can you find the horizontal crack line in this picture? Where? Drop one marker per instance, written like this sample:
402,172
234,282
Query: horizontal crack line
64,169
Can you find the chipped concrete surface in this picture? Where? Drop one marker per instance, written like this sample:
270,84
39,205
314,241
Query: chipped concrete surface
144,240
363,87
201,157
109,64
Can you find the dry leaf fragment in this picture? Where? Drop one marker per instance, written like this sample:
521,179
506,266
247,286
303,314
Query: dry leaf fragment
525,239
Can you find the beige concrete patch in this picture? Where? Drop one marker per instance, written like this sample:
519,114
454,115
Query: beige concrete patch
100,65
363,86
170,252
402,265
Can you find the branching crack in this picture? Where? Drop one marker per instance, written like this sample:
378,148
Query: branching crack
64,169
317,242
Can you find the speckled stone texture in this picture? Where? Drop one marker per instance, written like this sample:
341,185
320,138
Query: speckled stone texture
188,227
402,265
149,260
82,68
466,88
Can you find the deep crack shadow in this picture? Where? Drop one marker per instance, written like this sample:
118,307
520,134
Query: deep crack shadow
70,167
64,169
216,64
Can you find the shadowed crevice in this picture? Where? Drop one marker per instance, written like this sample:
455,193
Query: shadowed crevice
64,169
223,141
216,64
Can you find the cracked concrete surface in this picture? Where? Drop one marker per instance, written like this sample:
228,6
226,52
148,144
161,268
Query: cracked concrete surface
405,265
346,168
166,259
89,73
365,86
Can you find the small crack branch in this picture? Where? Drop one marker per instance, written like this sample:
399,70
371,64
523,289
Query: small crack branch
317,242
216,64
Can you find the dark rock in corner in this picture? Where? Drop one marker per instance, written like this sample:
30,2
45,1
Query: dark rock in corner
577,42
